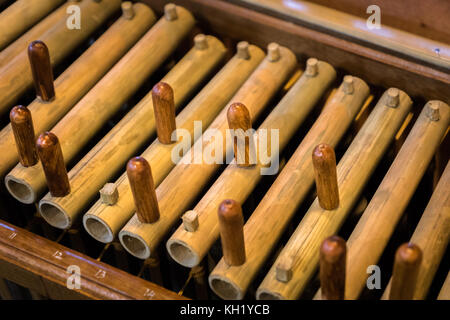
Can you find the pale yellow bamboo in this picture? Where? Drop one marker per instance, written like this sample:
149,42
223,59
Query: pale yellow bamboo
16,78
21,44
372,233
354,170
102,221
102,101
236,182
80,77
191,174
22,15
432,235
111,153
444,294
262,230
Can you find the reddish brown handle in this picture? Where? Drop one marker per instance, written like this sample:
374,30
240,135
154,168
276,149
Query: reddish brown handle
239,121
164,107
406,269
22,127
324,161
333,254
41,69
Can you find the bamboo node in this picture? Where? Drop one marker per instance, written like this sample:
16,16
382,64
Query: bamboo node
190,221
348,85
312,67
242,50
273,52
109,194
393,98
432,110
283,270
200,42
127,10
170,12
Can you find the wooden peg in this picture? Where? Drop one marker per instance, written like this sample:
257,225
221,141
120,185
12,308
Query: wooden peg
393,97
190,221
333,253
200,42
283,269
239,120
127,10
143,188
324,161
164,107
170,12
406,269
50,153
22,127
41,69
109,194
231,224
273,52
312,67
242,50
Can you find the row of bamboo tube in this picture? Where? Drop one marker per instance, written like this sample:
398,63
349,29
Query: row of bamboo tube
110,154
263,229
300,256
21,15
237,182
15,76
191,174
80,77
103,221
103,100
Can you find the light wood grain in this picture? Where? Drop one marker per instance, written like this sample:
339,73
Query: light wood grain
104,222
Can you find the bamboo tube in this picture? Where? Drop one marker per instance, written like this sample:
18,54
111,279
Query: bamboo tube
372,233
189,248
104,99
432,235
406,268
444,294
16,78
324,162
22,127
191,174
231,223
22,15
354,170
164,110
78,79
21,44
262,231
112,152
52,160
103,222
333,253
41,70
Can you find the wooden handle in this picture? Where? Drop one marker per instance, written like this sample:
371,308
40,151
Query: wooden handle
143,189
41,69
324,161
239,119
406,268
22,127
333,254
231,225
164,107
50,153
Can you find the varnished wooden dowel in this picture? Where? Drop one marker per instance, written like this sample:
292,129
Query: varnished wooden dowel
231,223
164,109
239,121
79,77
333,253
408,259
143,188
41,69
50,153
324,162
22,127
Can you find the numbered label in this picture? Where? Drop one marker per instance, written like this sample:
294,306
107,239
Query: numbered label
100,274
58,255
149,293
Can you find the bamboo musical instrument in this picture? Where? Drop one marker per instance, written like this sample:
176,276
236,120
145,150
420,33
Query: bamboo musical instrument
21,15
80,77
105,98
354,169
118,145
444,294
22,126
191,174
378,221
262,231
15,77
408,259
333,255
236,182
432,235
103,221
